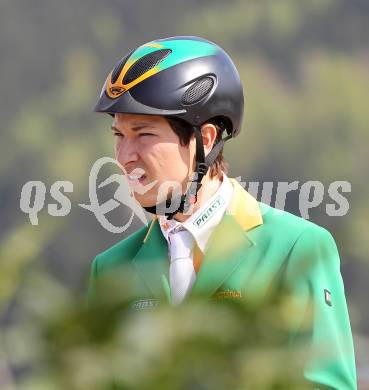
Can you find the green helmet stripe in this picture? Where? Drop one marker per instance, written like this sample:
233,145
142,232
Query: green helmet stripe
182,50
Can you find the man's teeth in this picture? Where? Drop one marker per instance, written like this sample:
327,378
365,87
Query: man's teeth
135,177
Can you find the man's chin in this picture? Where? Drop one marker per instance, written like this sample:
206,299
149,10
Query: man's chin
148,201
145,201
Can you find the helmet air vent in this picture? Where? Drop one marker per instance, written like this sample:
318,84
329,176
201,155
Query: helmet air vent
144,64
118,67
198,90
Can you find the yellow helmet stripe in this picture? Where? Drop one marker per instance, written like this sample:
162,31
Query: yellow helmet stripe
118,88
154,45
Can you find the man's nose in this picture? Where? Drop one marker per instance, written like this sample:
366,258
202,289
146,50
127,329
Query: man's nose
126,151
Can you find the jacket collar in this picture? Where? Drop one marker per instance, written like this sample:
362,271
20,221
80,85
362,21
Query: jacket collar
244,207
227,248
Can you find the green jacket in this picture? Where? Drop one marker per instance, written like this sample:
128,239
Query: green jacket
254,248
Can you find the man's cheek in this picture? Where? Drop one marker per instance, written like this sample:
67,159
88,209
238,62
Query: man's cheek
116,153
145,188
117,149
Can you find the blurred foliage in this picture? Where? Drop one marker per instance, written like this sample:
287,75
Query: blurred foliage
62,344
304,65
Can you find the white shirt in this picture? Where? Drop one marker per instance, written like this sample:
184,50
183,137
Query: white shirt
202,223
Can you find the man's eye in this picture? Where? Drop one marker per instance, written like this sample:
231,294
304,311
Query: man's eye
141,134
117,134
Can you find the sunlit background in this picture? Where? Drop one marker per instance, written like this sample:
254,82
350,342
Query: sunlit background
305,69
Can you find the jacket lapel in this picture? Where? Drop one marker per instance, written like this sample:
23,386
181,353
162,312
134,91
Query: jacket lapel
151,262
226,251
229,244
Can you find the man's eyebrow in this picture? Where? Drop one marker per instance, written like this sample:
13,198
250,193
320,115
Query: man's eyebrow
136,126
114,128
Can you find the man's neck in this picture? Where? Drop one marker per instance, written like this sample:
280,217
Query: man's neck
208,189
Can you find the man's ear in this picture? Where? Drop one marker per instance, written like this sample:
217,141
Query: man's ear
209,135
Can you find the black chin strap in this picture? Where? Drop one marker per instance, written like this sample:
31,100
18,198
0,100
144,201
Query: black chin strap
185,200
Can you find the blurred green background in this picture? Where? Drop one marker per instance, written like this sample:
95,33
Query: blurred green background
305,69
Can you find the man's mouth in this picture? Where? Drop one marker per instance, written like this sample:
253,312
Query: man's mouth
137,176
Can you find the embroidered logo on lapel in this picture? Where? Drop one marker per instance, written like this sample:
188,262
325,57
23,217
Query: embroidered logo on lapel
209,212
145,304
227,294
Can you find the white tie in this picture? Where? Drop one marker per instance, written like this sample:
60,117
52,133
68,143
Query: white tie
182,274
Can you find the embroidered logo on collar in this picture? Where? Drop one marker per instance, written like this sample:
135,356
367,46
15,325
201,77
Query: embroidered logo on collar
209,212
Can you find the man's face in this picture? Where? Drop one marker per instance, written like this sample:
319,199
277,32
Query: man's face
150,152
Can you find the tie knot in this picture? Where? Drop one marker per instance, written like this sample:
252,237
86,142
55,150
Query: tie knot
181,244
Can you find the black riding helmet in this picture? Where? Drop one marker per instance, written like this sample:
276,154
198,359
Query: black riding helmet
186,77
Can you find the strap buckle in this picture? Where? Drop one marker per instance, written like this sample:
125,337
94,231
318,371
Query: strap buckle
201,168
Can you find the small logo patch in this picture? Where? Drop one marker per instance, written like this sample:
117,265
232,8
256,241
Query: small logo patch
209,212
145,304
327,297
117,91
227,294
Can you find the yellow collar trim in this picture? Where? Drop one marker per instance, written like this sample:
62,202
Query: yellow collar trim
150,227
244,207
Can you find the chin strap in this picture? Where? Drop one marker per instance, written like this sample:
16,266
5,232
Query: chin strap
190,196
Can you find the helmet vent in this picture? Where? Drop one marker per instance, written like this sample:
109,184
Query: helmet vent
144,64
198,90
118,67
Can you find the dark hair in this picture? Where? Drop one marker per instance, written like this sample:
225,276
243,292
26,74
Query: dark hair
185,132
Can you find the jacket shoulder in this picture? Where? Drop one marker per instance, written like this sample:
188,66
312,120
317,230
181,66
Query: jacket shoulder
289,228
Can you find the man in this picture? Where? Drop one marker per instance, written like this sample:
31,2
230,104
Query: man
175,102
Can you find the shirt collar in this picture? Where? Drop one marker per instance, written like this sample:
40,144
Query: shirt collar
201,223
